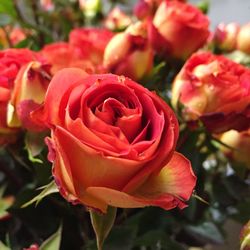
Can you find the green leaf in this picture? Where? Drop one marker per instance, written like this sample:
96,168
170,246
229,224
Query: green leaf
102,224
53,242
4,19
8,8
3,247
47,190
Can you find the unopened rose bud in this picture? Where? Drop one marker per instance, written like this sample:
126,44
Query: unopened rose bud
117,20
225,36
239,146
129,53
243,38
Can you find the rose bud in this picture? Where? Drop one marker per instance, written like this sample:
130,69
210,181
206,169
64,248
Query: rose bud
239,146
16,35
29,91
91,42
146,8
243,39
178,29
215,90
47,5
225,36
245,237
133,55
117,20
113,143
62,55
11,60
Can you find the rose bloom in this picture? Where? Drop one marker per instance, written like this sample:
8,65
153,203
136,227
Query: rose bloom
239,146
129,53
243,39
29,91
117,20
215,90
91,42
225,36
178,29
11,60
113,143
62,55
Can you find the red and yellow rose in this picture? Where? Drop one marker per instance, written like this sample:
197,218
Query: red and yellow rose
11,61
113,143
178,29
215,90
129,53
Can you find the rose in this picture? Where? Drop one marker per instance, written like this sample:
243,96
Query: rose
243,39
29,90
62,55
91,42
225,36
178,29
239,146
11,60
146,8
129,53
113,143
215,90
117,20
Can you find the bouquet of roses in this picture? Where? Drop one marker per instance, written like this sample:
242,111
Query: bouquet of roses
114,118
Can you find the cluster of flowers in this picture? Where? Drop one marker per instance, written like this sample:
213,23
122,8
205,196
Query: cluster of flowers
113,141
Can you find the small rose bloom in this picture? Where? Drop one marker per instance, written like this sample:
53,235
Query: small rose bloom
117,20
32,247
129,53
243,39
91,42
29,91
215,90
178,29
225,36
113,143
62,55
11,60
239,146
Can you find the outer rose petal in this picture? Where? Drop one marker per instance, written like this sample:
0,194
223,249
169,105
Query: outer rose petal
50,112
164,189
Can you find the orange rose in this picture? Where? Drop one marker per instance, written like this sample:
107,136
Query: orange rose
178,29
113,143
243,39
129,53
239,146
215,90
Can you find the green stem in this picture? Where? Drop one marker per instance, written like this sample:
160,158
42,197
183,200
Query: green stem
102,224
